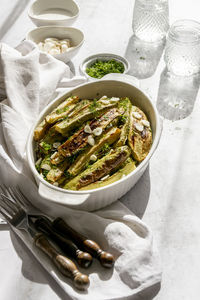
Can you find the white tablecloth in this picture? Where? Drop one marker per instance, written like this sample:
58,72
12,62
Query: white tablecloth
167,196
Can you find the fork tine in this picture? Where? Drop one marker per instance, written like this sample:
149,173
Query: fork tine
6,193
3,189
5,208
21,198
8,204
5,216
11,198
14,196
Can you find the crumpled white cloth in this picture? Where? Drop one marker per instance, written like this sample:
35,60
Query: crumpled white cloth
30,80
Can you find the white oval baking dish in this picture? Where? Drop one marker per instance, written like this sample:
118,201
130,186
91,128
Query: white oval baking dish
120,86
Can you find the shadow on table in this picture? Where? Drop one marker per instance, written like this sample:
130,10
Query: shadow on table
149,293
12,17
143,57
177,95
137,198
72,68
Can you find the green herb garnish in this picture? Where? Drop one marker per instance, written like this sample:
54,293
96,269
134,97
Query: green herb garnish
44,173
67,174
105,149
46,146
101,68
37,166
61,110
123,103
94,105
123,119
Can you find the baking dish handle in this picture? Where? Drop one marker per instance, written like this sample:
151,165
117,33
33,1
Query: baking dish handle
61,197
123,77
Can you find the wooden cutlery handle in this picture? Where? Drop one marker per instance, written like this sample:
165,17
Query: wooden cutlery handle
64,265
44,225
106,259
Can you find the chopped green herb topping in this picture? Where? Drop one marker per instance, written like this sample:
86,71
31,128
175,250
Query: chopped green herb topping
61,110
46,146
101,68
58,111
123,103
105,149
94,105
44,173
67,174
37,167
123,119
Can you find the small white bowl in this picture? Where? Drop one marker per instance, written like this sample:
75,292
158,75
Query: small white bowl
53,12
87,62
75,35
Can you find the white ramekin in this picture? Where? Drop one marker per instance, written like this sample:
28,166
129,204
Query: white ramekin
39,8
112,85
75,35
88,61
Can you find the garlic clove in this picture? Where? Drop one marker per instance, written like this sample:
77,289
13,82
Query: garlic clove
53,155
105,177
64,48
105,101
56,145
91,140
50,40
93,157
114,99
103,98
67,41
46,167
54,51
87,129
137,115
145,123
48,46
139,127
38,161
97,131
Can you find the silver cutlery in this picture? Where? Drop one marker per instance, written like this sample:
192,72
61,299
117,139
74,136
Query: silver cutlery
68,239
16,216
65,231
44,224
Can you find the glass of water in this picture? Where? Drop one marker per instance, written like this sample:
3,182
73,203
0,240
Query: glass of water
182,53
150,19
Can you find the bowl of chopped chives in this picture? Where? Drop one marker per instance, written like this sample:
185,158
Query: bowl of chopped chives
98,65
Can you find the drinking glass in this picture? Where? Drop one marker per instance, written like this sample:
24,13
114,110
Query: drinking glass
182,53
150,19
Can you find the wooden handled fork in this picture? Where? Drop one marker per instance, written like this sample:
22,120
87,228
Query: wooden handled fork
17,217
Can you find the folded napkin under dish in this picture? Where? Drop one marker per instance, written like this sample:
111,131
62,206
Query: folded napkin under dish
30,80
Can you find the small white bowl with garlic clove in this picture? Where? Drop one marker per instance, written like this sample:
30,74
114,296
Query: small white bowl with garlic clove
61,42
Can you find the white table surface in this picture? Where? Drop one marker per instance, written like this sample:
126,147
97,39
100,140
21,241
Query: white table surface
167,196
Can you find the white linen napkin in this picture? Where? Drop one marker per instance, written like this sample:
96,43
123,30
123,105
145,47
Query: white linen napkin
30,79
